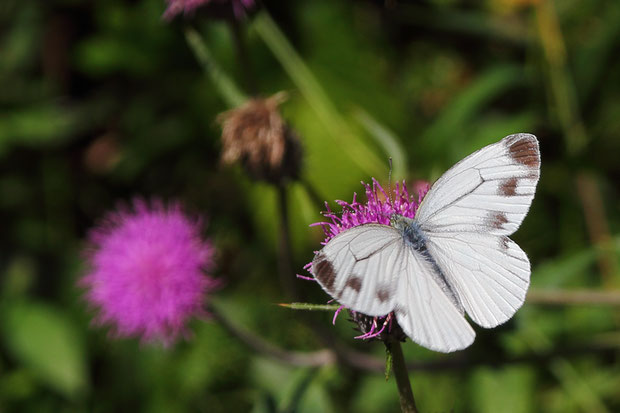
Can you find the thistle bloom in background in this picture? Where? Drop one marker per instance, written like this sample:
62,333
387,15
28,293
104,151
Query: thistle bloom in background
218,7
146,271
378,208
255,135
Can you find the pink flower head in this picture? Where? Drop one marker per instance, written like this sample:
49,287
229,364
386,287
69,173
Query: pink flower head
146,271
379,207
189,7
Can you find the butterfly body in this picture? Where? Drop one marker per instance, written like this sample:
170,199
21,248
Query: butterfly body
453,258
414,237
411,231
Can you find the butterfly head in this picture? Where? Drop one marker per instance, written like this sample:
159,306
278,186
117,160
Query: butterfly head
400,222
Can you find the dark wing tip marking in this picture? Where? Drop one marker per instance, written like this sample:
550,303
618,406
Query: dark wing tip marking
508,187
524,150
354,282
324,272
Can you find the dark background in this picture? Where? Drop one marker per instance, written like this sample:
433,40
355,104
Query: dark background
101,101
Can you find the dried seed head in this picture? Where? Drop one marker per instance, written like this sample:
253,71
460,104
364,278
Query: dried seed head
256,135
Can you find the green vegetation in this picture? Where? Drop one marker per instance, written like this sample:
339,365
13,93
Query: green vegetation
101,101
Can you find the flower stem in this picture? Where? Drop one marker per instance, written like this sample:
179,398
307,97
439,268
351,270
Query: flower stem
407,402
242,55
263,347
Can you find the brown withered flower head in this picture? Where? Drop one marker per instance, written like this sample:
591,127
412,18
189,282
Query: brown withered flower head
255,135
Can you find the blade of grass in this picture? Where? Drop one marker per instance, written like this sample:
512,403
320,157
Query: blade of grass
562,87
459,113
386,139
317,98
225,86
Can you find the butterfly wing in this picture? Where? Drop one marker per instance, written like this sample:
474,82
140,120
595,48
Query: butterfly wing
370,269
424,311
467,216
489,191
359,267
490,273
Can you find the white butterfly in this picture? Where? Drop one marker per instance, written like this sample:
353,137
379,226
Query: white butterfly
453,257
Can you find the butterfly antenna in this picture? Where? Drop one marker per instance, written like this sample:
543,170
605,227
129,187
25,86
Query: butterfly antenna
390,181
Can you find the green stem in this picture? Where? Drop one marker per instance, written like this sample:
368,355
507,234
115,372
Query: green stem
225,86
242,55
407,402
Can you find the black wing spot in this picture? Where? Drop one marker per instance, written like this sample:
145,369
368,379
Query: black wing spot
383,294
496,220
324,272
508,187
354,283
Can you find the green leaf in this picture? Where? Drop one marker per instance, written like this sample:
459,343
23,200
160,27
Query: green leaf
459,115
292,389
37,125
46,341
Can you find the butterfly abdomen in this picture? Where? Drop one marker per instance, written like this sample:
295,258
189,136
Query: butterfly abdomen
415,238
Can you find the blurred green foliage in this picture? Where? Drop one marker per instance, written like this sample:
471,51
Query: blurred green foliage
103,100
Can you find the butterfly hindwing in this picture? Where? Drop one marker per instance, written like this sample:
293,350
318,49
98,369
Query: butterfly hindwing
489,273
424,311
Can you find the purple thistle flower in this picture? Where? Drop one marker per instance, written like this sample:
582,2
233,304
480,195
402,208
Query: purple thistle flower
146,271
189,7
379,207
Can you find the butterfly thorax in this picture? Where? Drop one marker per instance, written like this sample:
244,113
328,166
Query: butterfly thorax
412,233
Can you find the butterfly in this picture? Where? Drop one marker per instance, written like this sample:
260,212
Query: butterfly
453,258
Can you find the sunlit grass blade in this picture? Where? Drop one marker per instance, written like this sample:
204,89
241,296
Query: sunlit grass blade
386,139
317,98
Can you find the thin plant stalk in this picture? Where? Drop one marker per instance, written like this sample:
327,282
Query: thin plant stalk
407,401
243,56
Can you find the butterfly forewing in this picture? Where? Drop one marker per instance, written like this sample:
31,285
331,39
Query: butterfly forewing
360,268
467,217
490,191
